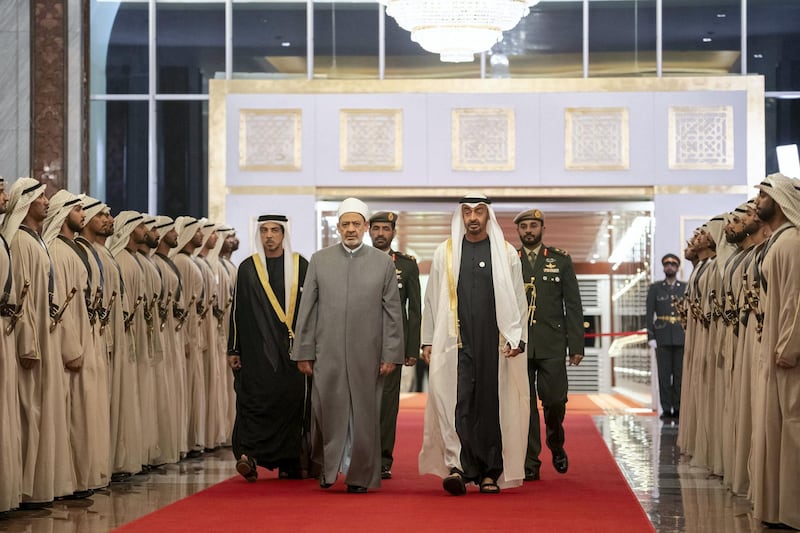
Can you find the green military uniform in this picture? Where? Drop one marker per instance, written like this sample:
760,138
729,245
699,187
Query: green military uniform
410,300
555,331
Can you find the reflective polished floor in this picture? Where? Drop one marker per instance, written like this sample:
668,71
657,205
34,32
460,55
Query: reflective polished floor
674,495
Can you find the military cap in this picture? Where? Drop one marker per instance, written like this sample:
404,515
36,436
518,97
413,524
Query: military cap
530,214
384,216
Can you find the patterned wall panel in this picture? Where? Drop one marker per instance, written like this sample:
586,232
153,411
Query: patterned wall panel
371,139
483,139
270,139
701,138
597,138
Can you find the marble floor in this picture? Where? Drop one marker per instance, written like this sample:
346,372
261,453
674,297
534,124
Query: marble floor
674,495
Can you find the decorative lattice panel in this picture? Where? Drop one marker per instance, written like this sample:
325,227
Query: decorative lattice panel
371,139
701,138
483,139
270,139
597,139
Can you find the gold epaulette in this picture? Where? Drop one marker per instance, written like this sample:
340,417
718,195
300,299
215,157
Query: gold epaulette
558,251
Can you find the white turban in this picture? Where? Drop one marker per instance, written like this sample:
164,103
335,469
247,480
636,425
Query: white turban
509,321
91,207
222,232
784,191
207,228
186,228
20,197
124,224
164,224
61,203
724,248
353,205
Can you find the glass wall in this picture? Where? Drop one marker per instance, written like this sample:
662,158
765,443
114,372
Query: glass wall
151,61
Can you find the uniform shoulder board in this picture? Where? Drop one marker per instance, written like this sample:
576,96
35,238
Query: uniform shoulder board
407,256
558,251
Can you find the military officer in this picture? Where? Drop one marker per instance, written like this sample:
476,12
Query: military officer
665,334
555,331
382,230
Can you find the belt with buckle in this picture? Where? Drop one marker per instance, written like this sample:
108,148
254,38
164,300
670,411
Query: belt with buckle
670,319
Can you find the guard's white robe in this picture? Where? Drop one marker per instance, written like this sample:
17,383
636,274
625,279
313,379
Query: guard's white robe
162,366
126,418
10,436
776,445
47,459
701,371
194,344
441,447
77,342
687,427
101,454
230,271
174,353
212,371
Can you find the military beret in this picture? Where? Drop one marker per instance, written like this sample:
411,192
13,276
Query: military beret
530,214
670,256
384,216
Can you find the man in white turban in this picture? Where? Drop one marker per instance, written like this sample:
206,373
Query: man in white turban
65,217
476,419
190,238
349,336
775,462
174,342
47,467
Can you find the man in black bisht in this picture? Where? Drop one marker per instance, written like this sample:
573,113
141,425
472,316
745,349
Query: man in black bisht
272,396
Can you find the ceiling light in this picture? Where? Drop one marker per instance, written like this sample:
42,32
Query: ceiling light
457,29
706,39
286,44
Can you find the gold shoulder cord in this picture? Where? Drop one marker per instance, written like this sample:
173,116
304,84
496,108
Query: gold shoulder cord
453,294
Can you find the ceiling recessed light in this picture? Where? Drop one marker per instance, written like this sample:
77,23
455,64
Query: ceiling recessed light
706,39
286,44
758,56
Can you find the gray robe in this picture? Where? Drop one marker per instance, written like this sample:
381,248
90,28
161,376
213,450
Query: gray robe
350,321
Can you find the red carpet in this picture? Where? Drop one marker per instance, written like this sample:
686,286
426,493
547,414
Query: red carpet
592,497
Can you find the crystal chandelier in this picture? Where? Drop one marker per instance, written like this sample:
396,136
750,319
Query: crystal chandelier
457,29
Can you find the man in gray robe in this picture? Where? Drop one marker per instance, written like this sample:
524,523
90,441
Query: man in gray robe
351,311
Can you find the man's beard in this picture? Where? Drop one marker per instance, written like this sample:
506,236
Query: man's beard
735,237
151,242
73,226
752,228
381,244
531,241
766,213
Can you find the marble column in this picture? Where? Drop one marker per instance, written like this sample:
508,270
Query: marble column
49,92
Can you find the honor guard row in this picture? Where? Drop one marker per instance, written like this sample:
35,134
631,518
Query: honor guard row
740,393
112,351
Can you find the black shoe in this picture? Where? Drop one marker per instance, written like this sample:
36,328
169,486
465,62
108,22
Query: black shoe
532,475
5,515
34,506
454,484
560,462
118,477
194,454
356,489
325,485
247,468
386,473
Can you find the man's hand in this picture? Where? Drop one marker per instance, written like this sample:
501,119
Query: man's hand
575,359
75,365
508,351
235,362
426,354
410,361
306,367
652,343
386,369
